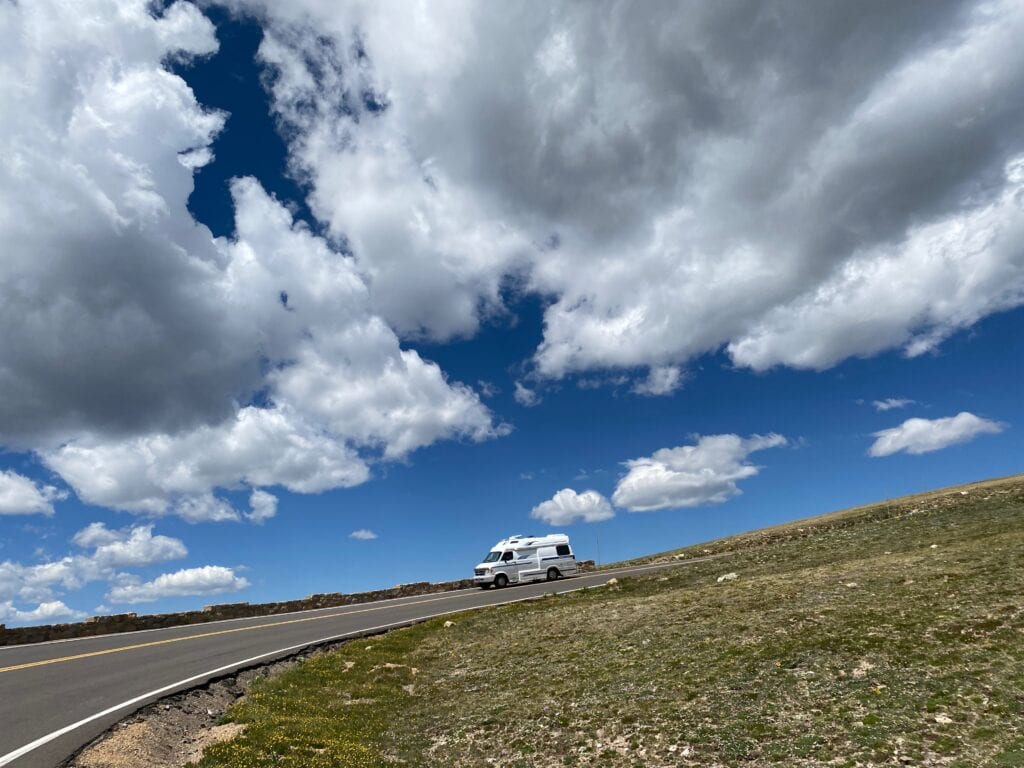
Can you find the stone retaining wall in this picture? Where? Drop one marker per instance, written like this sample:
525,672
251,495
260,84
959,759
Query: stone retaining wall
128,622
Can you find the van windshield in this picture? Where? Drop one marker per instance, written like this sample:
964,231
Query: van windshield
491,557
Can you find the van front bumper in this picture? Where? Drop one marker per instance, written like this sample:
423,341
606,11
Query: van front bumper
487,578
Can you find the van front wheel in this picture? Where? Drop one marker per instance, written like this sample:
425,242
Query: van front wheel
553,574
501,581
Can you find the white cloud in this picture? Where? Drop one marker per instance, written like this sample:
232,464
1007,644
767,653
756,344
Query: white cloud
259,446
262,506
918,436
694,192
661,380
20,495
525,396
940,277
133,547
567,507
205,508
438,251
85,182
891,403
691,475
96,535
45,613
363,534
111,550
131,378
208,580
348,386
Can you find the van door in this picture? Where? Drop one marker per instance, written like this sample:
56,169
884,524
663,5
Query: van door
507,565
528,564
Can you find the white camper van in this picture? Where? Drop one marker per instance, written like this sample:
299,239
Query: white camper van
519,559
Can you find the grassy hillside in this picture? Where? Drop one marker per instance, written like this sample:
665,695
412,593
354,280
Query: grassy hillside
885,635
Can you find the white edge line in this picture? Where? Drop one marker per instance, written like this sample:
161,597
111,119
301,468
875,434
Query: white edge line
22,751
439,596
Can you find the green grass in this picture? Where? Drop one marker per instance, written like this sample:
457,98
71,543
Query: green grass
849,640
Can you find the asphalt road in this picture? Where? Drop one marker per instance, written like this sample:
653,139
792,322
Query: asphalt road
56,697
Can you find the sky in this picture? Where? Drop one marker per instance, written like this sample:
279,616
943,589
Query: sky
327,297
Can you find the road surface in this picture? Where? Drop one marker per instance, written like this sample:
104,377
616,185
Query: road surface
56,697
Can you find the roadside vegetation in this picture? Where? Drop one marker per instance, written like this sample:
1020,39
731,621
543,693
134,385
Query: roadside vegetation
886,635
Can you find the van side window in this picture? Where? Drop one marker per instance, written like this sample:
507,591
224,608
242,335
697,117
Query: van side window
563,550
506,557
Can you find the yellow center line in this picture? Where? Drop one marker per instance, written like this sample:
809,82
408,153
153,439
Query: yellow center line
152,643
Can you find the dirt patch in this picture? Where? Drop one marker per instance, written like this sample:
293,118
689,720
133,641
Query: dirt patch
155,743
173,732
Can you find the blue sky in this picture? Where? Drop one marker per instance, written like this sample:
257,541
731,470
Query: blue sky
666,300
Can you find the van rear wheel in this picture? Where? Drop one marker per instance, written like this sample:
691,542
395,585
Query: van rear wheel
553,574
501,581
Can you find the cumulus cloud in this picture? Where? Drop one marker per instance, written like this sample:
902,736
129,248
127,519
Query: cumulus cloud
109,551
363,534
942,276
44,613
891,403
97,535
163,473
699,189
661,380
128,547
136,342
20,495
525,396
710,186
916,436
188,582
262,506
106,278
707,472
205,508
348,387
567,507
